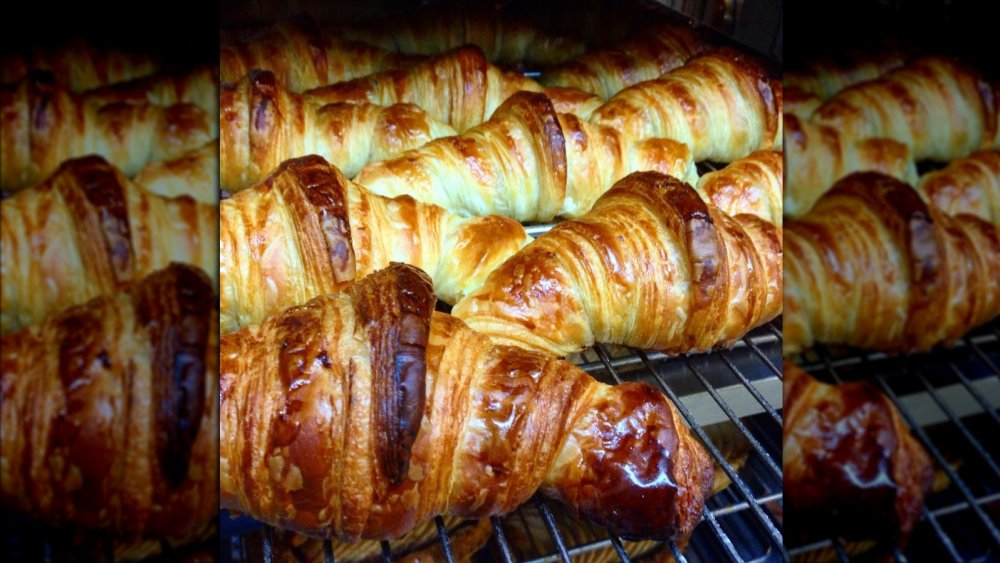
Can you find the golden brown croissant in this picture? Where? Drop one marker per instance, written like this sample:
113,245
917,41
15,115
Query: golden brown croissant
527,162
110,415
87,231
302,59
263,125
198,86
720,104
606,72
818,156
826,76
43,125
194,173
873,266
937,107
503,38
800,103
460,88
849,463
751,185
969,185
650,244
307,231
78,66
363,414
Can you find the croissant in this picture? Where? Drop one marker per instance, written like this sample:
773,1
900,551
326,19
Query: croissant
198,86
849,463
751,185
875,267
800,103
362,414
937,107
818,156
826,76
606,72
650,266
969,185
78,66
720,104
527,162
504,39
263,125
194,173
110,415
460,88
301,59
43,125
306,231
87,231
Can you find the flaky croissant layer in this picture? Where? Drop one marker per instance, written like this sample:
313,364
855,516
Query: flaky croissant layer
110,415
362,414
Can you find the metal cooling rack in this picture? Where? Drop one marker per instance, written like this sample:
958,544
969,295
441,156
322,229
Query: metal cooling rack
950,399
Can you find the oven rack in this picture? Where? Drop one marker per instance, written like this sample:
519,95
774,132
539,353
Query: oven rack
950,398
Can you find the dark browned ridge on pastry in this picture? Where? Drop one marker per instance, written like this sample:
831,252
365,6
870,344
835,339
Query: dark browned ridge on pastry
109,412
851,467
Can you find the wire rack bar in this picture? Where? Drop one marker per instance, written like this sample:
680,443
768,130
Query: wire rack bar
720,534
328,551
751,388
550,524
501,539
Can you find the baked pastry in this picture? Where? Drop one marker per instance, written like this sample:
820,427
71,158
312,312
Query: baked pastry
264,124
42,125
460,88
198,86
750,185
110,413
939,108
650,244
504,39
307,231
850,466
301,58
826,76
87,231
656,51
527,162
873,266
194,173
78,66
800,103
721,104
968,185
818,156
440,421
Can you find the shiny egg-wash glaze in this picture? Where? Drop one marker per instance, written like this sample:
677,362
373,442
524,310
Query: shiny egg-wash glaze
43,125
720,104
362,414
78,66
528,162
968,185
460,88
307,231
751,185
198,86
874,266
850,465
650,240
262,124
110,413
87,231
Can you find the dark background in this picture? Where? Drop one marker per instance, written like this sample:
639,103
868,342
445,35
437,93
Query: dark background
963,28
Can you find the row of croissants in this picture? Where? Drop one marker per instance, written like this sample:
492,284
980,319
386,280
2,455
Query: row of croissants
879,258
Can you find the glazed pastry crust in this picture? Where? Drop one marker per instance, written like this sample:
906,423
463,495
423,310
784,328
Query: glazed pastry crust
307,231
78,66
751,185
110,414
650,241
969,185
87,231
528,162
874,266
305,397
194,173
